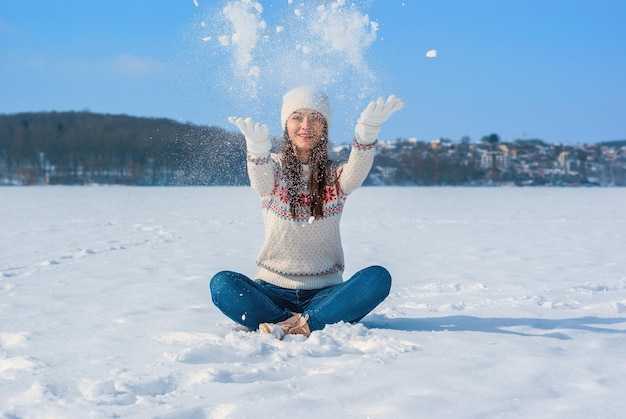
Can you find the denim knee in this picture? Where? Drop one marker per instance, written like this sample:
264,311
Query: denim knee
223,280
381,275
217,281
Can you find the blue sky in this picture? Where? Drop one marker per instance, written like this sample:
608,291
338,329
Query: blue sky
549,69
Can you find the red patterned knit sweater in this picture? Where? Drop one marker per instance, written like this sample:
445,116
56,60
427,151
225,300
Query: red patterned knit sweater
300,252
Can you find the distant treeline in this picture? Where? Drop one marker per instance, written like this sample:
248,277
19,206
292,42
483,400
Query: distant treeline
86,148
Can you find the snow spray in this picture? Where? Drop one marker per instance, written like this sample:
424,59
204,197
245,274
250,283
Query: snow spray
254,51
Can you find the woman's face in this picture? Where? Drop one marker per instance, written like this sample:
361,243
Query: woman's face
305,128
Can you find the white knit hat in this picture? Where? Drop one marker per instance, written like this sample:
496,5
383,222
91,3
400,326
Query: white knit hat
305,97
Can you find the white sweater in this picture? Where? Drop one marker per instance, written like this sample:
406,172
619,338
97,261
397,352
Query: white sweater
298,252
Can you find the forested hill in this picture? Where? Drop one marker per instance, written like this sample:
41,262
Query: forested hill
85,147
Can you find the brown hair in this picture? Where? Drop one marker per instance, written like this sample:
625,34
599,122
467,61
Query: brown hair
318,160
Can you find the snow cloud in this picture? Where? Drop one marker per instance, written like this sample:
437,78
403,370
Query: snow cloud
323,44
344,30
247,25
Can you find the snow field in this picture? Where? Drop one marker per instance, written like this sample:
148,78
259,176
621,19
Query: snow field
505,303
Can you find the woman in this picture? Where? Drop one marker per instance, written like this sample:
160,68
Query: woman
299,286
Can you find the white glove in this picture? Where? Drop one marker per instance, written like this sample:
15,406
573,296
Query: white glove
257,135
372,118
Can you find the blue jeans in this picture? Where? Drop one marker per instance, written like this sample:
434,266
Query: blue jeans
251,303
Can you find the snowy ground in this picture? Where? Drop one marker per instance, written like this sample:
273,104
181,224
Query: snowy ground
506,303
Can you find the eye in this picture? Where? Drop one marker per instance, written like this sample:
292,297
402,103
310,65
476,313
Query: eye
316,118
296,117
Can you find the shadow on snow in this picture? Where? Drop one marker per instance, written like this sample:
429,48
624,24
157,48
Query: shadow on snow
494,325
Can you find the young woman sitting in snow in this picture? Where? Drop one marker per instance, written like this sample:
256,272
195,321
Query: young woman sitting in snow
299,286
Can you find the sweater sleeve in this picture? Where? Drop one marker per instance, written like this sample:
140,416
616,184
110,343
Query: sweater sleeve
353,173
262,173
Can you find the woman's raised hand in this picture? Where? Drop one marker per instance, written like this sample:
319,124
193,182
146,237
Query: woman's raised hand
373,116
257,135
